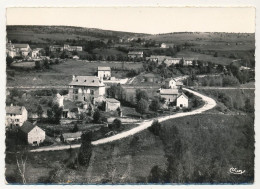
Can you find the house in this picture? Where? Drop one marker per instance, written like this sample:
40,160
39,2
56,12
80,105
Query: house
150,77
35,53
31,133
69,137
10,49
75,57
135,54
188,61
72,48
182,101
170,95
172,61
157,58
112,104
164,46
22,49
104,72
55,48
86,88
173,84
59,100
15,115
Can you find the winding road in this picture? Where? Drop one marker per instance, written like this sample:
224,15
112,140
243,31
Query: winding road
209,104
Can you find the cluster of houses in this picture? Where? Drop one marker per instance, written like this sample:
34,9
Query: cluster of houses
171,61
65,47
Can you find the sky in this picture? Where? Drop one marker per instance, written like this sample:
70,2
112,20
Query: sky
140,20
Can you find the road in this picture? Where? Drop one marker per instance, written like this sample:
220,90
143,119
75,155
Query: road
209,104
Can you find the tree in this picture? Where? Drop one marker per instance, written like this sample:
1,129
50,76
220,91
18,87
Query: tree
216,54
38,65
156,175
46,63
155,128
85,150
248,107
75,128
140,94
9,61
142,106
54,114
39,111
116,124
96,116
155,105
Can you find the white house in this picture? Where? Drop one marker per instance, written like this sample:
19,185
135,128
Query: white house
182,101
15,115
33,134
172,61
59,100
69,137
112,104
75,57
104,72
173,84
22,49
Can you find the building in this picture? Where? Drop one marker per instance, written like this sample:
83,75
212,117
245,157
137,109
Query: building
135,54
172,61
10,50
104,72
86,88
166,46
55,48
173,84
112,104
59,100
188,61
31,133
157,58
75,57
182,101
170,95
35,53
22,49
69,137
15,115
72,48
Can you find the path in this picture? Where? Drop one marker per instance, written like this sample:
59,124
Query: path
209,104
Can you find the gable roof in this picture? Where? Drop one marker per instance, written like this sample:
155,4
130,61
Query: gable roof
112,100
14,109
91,81
169,79
169,92
102,68
182,94
27,127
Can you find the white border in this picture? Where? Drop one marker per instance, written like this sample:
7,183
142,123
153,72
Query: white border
133,3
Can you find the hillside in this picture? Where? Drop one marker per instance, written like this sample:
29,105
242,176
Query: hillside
45,34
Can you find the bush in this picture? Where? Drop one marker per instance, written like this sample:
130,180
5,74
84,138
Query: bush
116,124
142,106
155,105
96,116
155,128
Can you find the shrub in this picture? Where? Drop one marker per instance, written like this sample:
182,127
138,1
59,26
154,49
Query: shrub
142,106
155,128
96,116
155,105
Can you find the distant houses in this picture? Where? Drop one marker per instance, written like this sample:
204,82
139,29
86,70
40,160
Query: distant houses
31,133
15,116
16,49
135,54
70,137
65,47
104,72
171,61
166,46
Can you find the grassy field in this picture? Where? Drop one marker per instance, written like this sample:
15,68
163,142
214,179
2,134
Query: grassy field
130,160
61,74
23,65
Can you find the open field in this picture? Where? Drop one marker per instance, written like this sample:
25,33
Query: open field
61,74
23,65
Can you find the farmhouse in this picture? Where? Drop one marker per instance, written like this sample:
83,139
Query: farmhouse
173,84
22,49
69,137
170,95
104,72
112,104
182,101
15,115
135,54
86,88
31,133
35,53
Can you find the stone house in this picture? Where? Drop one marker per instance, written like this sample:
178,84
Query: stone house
22,49
112,104
31,133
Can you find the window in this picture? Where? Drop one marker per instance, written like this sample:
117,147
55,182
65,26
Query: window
75,91
181,105
92,92
17,120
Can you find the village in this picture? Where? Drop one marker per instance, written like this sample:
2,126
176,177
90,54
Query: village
123,100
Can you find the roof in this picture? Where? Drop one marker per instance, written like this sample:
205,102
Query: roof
135,52
102,68
27,127
14,109
112,100
179,83
169,92
182,94
91,81
72,135
169,79
20,45
150,75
